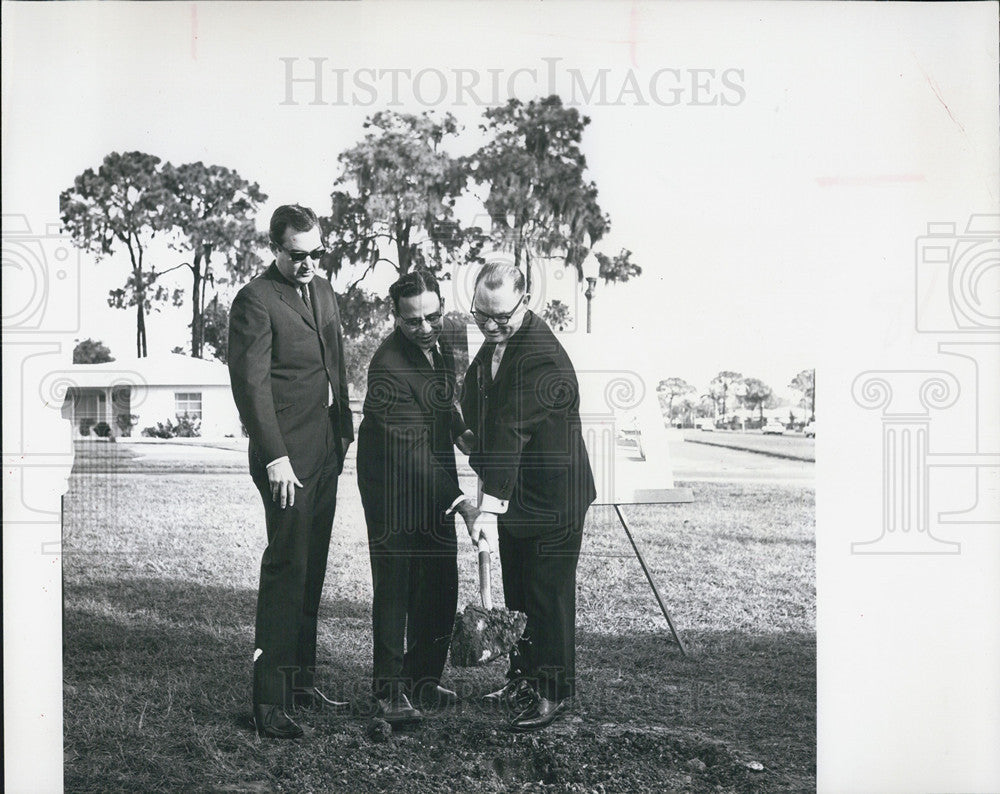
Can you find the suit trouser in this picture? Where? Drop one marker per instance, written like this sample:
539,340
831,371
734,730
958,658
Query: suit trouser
539,579
415,596
292,570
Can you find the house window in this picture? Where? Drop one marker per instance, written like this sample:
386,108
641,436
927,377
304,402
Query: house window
188,402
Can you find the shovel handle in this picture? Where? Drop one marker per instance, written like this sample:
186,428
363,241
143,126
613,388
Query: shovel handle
485,594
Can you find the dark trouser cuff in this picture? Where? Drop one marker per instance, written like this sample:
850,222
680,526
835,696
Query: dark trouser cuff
556,690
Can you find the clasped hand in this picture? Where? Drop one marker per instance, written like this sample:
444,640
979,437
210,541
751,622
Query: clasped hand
478,523
485,528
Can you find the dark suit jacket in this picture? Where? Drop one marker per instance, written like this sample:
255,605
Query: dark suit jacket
406,455
282,372
527,425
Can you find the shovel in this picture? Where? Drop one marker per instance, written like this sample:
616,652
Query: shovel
484,633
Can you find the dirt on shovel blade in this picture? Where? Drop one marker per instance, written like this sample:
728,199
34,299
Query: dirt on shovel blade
482,635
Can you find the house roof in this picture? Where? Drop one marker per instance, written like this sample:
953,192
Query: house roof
170,369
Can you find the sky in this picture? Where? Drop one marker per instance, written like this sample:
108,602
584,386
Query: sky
773,167
739,212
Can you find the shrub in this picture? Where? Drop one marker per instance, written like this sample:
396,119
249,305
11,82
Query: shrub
102,430
85,424
91,351
557,315
125,423
160,431
186,427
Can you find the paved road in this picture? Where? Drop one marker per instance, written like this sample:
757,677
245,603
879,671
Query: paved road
790,445
699,462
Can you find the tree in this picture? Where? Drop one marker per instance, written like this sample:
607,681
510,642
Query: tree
395,198
557,315
123,204
455,334
619,268
91,351
363,313
215,329
539,201
805,383
684,409
366,319
756,394
722,385
214,212
706,406
669,389
358,352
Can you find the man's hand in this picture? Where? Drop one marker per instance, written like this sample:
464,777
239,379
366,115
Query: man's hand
469,512
283,482
466,442
485,527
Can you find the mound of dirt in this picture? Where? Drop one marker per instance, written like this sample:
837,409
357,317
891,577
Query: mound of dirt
482,635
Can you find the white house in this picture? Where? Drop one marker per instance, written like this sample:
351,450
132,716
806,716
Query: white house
131,395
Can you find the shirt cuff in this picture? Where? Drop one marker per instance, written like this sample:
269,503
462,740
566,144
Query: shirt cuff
454,504
490,504
277,460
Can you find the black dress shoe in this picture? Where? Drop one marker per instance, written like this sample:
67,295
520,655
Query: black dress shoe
271,722
435,697
543,713
397,710
516,696
314,701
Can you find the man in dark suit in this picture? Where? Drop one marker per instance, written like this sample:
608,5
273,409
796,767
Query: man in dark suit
521,401
409,489
286,364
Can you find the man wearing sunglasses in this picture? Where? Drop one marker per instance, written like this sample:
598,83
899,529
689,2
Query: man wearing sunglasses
409,488
521,401
286,365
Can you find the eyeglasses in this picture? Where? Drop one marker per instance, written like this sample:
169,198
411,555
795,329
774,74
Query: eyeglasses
298,256
500,319
414,323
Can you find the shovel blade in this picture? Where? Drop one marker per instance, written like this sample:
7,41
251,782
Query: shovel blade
483,635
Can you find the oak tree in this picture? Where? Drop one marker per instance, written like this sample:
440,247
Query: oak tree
122,206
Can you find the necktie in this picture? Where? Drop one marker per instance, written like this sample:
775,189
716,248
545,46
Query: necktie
496,358
304,292
486,365
442,378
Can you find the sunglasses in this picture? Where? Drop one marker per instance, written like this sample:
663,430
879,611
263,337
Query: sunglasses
298,256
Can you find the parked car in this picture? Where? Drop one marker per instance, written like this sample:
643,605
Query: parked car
773,427
809,431
704,424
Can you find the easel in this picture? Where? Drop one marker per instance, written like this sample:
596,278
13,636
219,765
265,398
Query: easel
659,496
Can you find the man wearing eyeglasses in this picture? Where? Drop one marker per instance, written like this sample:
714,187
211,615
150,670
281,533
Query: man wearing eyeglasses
521,400
286,365
409,488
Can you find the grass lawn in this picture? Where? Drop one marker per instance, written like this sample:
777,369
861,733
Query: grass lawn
160,576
